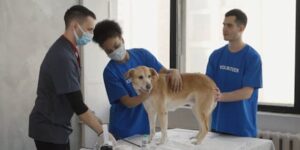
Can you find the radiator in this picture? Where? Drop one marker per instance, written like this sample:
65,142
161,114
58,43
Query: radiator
282,141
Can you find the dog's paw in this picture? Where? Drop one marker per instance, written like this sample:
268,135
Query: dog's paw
196,141
194,137
193,140
162,141
149,141
150,138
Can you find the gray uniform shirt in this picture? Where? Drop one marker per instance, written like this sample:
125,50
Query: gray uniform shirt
59,74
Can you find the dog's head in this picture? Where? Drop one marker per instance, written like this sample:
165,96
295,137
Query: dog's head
141,78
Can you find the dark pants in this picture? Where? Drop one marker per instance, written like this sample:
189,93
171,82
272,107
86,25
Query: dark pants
51,146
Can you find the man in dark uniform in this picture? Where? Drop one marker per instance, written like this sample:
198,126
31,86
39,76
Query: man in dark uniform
58,92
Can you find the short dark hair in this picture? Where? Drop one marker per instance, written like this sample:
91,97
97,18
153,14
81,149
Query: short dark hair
241,17
79,13
106,29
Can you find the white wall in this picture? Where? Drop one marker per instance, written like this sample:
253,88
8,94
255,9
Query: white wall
183,118
27,28
279,122
94,61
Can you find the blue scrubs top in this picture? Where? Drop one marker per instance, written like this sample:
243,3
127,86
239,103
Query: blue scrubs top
124,121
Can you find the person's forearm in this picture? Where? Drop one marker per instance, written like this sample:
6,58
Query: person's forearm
134,101
92,121
237,95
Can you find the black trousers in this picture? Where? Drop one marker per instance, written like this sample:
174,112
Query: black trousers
51,146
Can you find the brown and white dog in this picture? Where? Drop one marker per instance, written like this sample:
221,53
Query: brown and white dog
197,90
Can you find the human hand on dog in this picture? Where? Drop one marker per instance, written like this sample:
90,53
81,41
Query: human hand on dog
175,80
217,94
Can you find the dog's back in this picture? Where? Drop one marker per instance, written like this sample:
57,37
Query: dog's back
194,85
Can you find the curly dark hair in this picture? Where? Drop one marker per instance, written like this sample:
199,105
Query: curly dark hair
106,29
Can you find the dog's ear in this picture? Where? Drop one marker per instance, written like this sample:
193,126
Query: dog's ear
129,74
154,74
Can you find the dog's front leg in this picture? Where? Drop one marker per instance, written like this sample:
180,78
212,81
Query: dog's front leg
163,120
152,123
149,107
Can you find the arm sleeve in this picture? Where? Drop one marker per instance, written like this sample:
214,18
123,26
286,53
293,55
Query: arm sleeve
151,61
253,73
76,101
113,85
210,68
65,75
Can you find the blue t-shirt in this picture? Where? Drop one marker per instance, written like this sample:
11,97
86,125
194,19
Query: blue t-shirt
124,121
232,71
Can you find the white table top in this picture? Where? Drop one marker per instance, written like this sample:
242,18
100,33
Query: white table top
179,139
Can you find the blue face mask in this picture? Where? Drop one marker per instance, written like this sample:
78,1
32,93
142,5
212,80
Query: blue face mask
85,38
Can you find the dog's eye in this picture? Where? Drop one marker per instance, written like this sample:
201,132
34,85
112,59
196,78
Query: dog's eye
141,77
149,76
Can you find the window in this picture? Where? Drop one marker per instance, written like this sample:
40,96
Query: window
270,31
146,24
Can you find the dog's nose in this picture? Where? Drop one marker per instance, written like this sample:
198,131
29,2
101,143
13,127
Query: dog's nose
148,86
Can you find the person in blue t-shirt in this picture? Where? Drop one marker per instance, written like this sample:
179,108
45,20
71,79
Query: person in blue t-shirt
237,70
127,114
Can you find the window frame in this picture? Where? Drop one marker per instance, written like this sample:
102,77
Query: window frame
175,28
173,33
296,108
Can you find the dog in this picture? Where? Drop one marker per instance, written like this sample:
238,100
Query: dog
198,90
